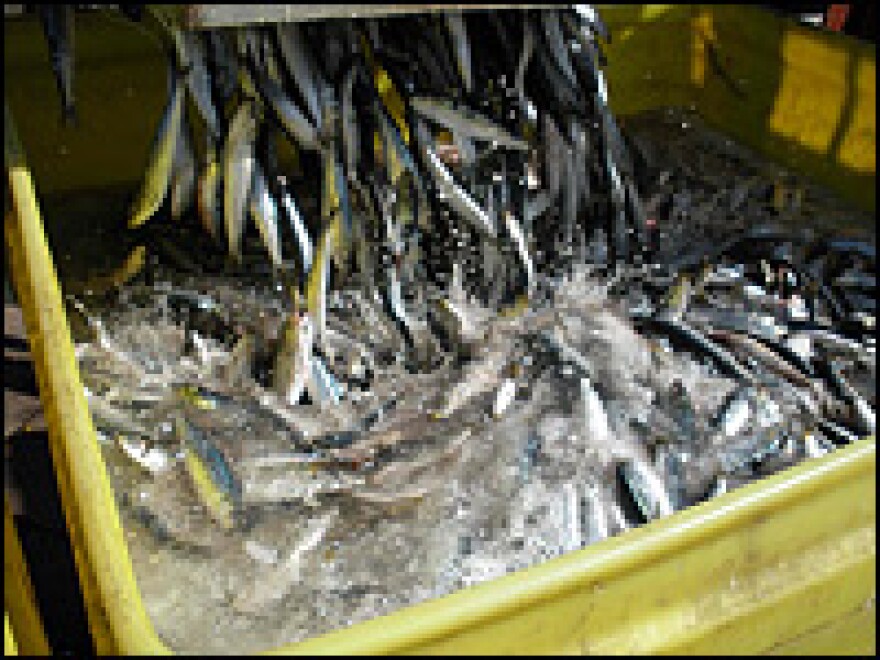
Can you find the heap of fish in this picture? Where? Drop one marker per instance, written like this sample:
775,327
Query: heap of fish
449,338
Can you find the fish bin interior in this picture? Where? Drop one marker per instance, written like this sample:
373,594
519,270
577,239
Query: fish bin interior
510,330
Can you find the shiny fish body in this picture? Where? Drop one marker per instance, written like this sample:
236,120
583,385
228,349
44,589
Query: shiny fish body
465,122
265,213
238,167
161,159
646,489
319,276
198,79
300,65
208,193
553,34
457,198
461,47
300,230
211,476
58,22
183,174
596,424
292,120
292,369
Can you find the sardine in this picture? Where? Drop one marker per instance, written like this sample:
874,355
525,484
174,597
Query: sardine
646,488
265,214
210,473
183,174
556,42
514,231
454,195
522,64
596,425
161,159
735,414
198,80
301,66
300,230
350,132
209,193
461,47
58,23
319,276
465,122
238,167
295,124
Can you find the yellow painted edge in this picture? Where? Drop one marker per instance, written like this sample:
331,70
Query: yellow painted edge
9,647
18,596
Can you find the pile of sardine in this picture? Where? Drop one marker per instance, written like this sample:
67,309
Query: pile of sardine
476,347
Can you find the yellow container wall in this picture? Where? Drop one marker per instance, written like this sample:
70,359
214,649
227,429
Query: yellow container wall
784,565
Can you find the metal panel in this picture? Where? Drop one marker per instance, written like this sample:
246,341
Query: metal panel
213,16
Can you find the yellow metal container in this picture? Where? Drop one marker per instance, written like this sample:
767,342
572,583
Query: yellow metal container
784,565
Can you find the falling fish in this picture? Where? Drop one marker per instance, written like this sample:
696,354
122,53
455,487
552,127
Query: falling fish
300,65
300,129
457,198
192,55
461,47
208,191
319,275
238,167
465,122
161,159
58,23
265,214
300,231
183,173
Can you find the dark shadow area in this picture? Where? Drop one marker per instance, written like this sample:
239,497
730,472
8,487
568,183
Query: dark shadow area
46,546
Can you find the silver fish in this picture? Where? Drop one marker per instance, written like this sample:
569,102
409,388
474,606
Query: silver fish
57,21
208,192
458,199
462,50
646,488
238,166
465,122
265,214
198,79
293,121
183,174
300,231
596,424
522,65
158,176
512,225
553,32
300,65
350,133
292,370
